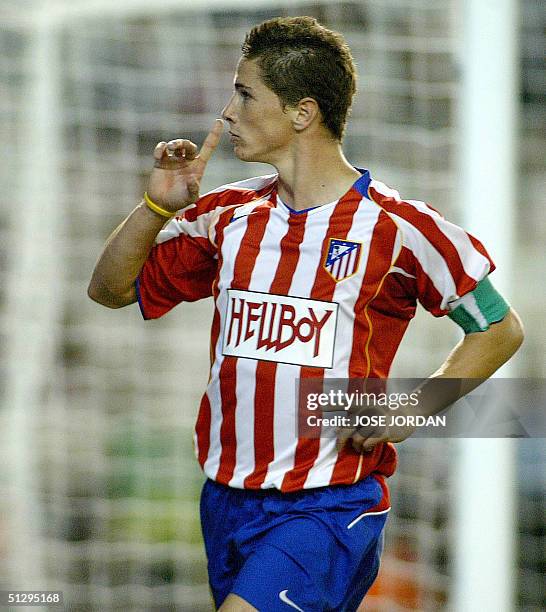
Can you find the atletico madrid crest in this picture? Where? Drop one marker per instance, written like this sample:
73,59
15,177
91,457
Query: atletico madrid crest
342,258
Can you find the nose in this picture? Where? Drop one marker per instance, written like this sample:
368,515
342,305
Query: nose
227,111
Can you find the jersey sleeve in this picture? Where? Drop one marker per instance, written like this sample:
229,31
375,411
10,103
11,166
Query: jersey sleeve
182,265
444,259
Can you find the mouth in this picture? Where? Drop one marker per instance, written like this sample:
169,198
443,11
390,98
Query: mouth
234,136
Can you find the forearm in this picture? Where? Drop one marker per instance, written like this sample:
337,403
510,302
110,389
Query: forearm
475,358
174,184
125,252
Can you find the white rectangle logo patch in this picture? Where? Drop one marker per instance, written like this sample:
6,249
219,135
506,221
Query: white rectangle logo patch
280,328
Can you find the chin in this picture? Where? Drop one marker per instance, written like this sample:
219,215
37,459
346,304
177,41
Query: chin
244,155
240,155
248,156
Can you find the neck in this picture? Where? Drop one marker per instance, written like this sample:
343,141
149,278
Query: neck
314,175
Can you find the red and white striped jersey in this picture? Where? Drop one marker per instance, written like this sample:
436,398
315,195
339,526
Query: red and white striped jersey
326,293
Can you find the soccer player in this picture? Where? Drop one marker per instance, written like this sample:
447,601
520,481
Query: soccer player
315,272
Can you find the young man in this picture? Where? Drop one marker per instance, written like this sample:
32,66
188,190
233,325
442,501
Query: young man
315,273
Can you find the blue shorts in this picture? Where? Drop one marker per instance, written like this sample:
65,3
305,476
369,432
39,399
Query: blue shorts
313,550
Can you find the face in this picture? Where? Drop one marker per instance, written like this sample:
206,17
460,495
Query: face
260,130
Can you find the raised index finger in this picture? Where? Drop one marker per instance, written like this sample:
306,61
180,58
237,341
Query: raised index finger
211,141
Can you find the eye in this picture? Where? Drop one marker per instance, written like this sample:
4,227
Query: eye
244,94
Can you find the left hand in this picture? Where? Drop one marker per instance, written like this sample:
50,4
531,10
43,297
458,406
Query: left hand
365,438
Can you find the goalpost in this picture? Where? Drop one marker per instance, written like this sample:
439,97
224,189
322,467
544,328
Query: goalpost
485,526
32,295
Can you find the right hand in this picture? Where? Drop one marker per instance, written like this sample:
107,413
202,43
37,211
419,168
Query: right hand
178,169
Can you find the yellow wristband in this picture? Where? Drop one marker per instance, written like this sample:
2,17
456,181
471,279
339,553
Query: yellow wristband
157,209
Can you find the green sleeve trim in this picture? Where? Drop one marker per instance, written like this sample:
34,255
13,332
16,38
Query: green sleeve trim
477,310
465,320
491,303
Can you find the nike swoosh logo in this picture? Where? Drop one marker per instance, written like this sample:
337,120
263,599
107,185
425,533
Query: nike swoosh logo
237,218
284,598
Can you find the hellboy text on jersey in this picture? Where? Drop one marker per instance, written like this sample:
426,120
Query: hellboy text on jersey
280,328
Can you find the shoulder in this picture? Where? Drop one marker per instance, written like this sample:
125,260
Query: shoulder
230,195
199,220
434,241
390,201
417,221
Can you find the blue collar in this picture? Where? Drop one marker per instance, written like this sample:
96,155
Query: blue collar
363,182
361,185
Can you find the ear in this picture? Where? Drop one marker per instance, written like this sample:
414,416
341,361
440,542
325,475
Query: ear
304,113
